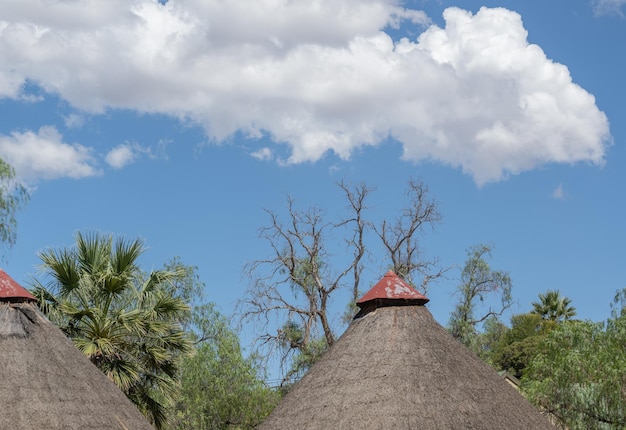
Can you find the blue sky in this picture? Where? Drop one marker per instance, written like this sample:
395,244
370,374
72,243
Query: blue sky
180,122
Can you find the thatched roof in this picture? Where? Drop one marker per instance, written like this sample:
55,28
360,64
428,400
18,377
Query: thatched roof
396,368
46,382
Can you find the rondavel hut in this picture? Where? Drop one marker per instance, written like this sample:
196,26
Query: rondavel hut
45,381
395,367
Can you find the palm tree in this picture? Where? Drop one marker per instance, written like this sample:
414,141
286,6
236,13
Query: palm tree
126,321
551,306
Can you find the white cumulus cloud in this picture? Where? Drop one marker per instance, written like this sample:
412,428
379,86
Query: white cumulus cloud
44,155
263,154
317,76
127,153
120,156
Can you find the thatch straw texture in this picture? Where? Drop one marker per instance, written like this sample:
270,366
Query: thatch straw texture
397,368
46,383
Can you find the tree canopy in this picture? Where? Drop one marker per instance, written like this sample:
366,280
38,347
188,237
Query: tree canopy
13,195
478,282
127,321
579,375
519,344
573,370
220,389
553,306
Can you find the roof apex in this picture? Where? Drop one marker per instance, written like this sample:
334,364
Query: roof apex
11,291
391,288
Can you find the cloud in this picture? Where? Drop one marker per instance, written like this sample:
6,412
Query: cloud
318,77
44,155
120,156
607,7
74,120
127,153
559,192
263,154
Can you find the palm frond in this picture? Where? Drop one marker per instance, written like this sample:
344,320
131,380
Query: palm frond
150,406
125,255
48,303
93,251
124,373
61,265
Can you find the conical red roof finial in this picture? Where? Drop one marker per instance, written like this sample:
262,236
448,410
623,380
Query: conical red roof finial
11,291
390,290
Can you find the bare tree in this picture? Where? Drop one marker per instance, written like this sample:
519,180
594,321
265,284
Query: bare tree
290,292
356,196
296,283
401,239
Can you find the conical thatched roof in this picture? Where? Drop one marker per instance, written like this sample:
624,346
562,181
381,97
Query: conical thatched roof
397,368
45,381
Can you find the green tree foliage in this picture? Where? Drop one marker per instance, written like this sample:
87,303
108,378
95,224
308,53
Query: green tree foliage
487,342
521,343
552,306
126,321
580,374
292,339
478,284
13,196
220,389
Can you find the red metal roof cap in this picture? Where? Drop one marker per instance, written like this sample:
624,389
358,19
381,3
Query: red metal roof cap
11,290
392,287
